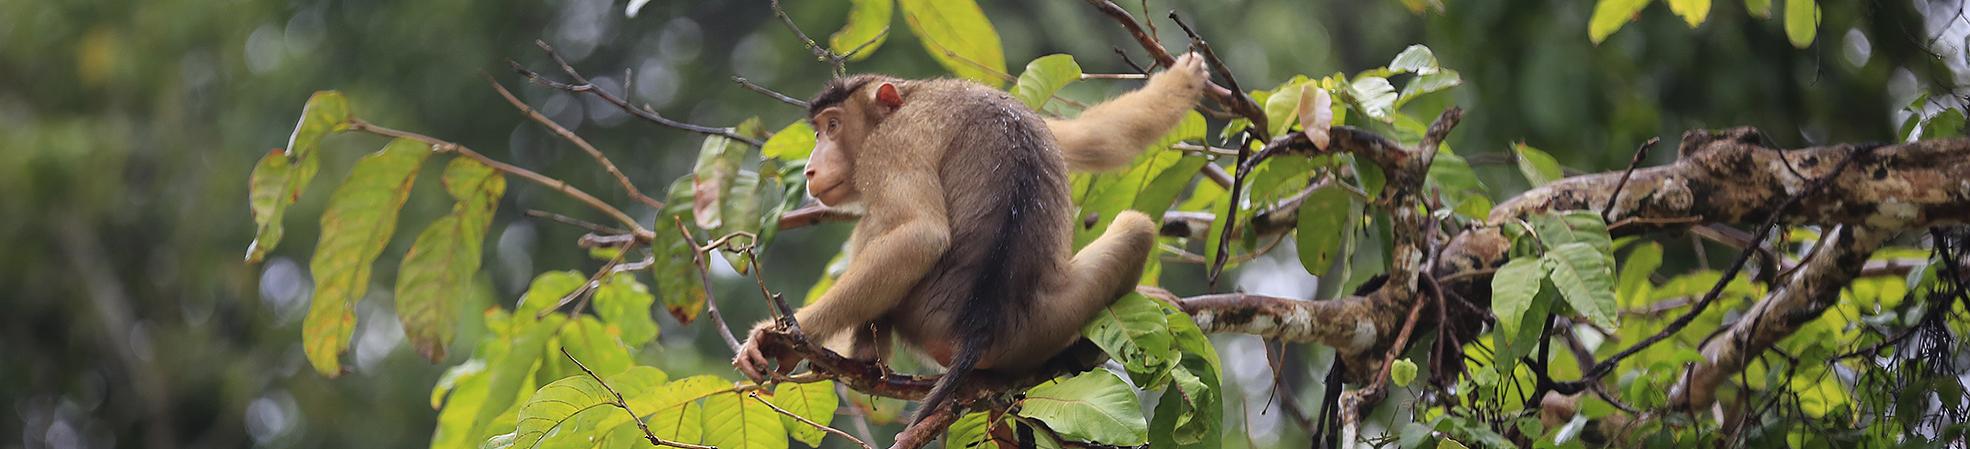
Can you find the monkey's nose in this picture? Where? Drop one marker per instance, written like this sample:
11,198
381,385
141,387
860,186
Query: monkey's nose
809,173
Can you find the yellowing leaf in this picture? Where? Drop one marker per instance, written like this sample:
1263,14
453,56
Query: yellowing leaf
1043,77
440,264
268,197
674,411
1610,16
867,28
736,421
1802,19
361,216
1693,12
958,36
624,303
815,401
796,141
678,285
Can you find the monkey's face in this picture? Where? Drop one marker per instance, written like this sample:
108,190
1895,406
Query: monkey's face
831,167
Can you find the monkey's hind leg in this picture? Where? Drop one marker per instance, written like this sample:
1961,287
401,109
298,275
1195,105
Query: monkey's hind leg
1101,273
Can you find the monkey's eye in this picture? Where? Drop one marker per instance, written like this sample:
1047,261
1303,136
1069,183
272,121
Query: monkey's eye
833,123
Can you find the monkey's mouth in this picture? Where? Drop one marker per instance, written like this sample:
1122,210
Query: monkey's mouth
827,195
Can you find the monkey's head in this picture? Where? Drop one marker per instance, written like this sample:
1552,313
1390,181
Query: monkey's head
844,114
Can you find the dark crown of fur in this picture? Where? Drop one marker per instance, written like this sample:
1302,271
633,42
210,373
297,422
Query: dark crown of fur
837,92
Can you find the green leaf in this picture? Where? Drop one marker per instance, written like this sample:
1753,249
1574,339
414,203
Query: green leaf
361,216
796,141
268,197
1462,191
590,342
867,28
673,409
1584,276
1574,226
740,211
1513,288
1326,221
327,112
1427,84
1760,8
1417,59
1610,16
1802,20
1043,77
958,36
1632,286
815,401
1194,419
1094,406
736,421
971,431
1282,106
1115,193
1537,166
1135,332
441,263
624,304
1693,12
466,396
712,178
1375,96
569,410
546,291
513,369
1402,372
1513,345
673,256
1161,193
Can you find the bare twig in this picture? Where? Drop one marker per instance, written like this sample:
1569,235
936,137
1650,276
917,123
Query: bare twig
698,259
769,93
1640,153
576,222
537,178
579,142
581,85
624,405
839,62
804,420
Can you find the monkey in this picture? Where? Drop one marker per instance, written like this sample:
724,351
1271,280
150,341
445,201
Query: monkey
964,248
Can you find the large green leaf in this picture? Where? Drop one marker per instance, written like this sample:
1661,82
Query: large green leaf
624,303
796,141
1802,20
1610,16
1115,193
590,342
1043,77
971,431
1094,406
674,267
736,421
463,390
1326,221
1375,96
815,401
1537,166
440,265
569,410
1134,331
268,196
361,216
1574,226
511,371
867,28
1632,286
1513,287
1693,12
547,290
1282,105
1585,277
958,36
1427,84
674,411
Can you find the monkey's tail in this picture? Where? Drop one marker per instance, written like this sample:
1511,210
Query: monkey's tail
969,352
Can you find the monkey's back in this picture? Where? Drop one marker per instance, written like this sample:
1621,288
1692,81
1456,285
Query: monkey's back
1007,199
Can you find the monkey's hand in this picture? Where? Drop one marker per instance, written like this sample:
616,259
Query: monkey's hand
1186,77
754,362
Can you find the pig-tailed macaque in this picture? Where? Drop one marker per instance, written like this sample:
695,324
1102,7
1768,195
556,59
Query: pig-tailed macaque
964,248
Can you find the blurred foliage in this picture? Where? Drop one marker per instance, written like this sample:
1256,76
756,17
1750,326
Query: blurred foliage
128,131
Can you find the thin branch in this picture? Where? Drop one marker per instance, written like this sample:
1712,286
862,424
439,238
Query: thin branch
576,222
769,93
1640,153
804,420
704,275
537,178
624,405
579,142
1239,101
839,62
581,85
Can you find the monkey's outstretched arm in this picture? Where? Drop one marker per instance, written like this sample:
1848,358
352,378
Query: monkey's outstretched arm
1109,135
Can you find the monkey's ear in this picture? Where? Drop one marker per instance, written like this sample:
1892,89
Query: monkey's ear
888,97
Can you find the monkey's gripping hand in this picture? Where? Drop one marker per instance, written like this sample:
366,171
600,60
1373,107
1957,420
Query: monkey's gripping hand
755,363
